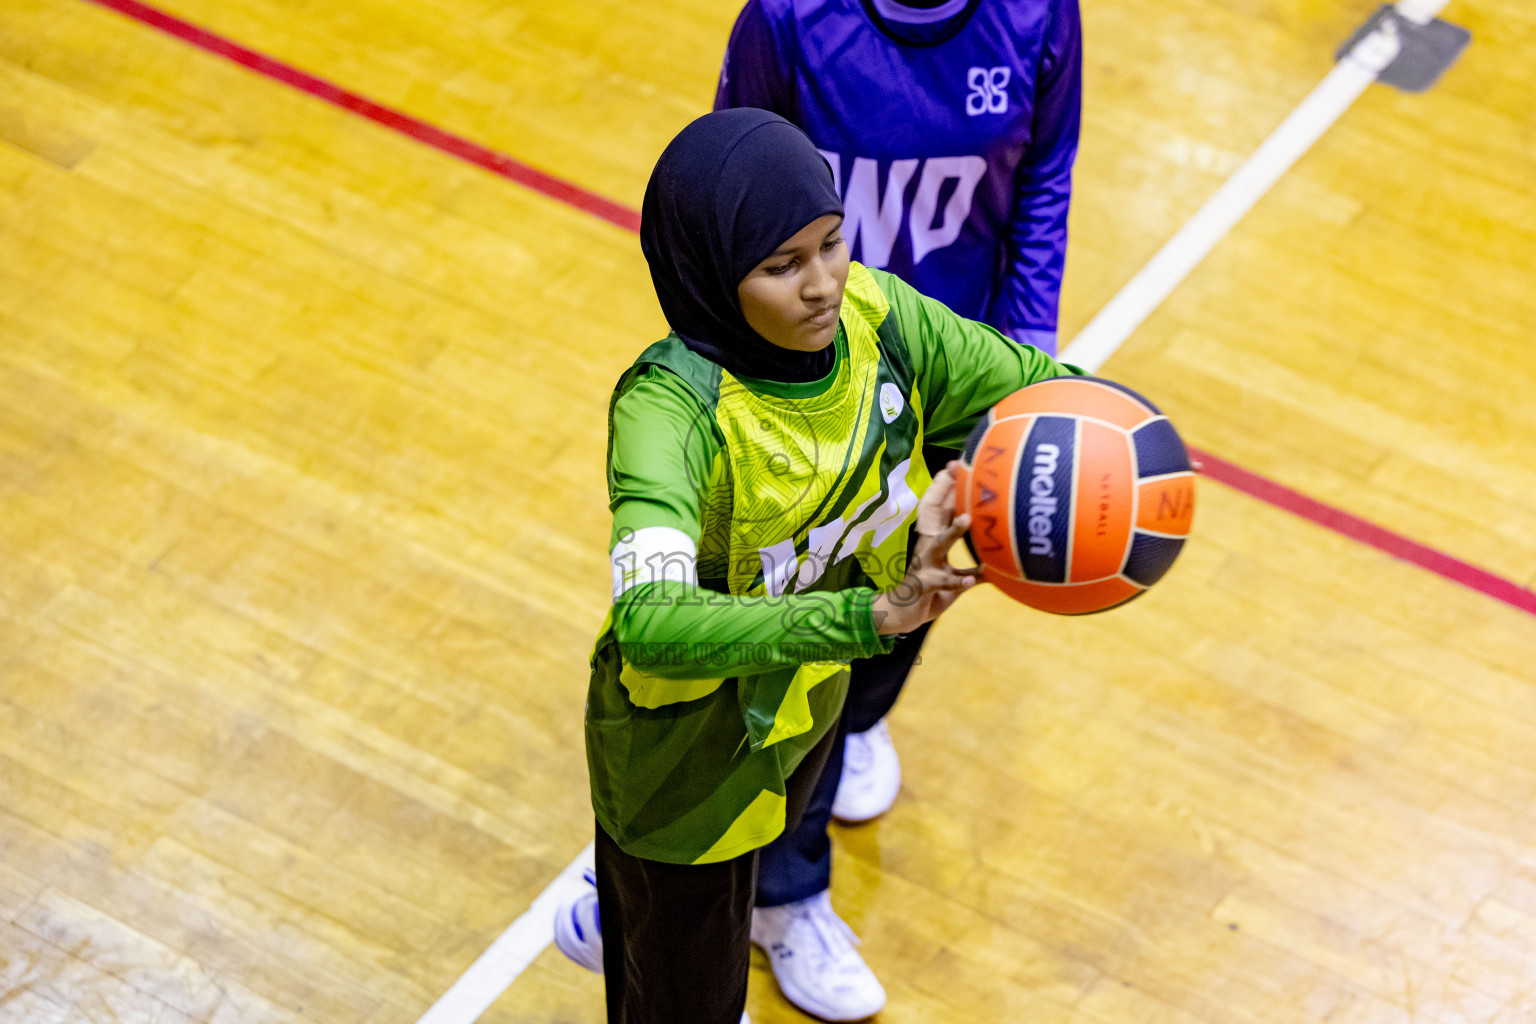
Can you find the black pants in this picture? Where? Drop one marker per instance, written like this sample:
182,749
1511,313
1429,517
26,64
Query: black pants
677,937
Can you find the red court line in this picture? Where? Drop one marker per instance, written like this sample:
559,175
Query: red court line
1339,521
437,138
1215,468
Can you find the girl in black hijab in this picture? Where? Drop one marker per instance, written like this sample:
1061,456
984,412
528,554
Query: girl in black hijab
763,481
725,193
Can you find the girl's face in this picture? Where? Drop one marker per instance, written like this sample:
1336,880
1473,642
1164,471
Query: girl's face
792,298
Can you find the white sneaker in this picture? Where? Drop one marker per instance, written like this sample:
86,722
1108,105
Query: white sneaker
579,930
871,775
814,960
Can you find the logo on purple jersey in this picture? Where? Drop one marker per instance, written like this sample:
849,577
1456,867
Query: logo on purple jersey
987,94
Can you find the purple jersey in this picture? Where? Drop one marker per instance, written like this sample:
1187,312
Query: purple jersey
951,133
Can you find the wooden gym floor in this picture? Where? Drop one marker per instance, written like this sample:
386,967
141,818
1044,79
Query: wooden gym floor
302,532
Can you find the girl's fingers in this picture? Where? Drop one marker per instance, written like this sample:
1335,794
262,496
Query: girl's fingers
951,579
942,599
933,549
944,487
957,528
936,506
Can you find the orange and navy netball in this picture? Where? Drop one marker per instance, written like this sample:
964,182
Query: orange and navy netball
1080,494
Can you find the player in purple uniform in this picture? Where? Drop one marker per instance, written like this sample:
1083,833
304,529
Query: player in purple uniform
950,127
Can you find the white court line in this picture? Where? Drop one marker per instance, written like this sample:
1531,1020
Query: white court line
1116,322
516,948
522,942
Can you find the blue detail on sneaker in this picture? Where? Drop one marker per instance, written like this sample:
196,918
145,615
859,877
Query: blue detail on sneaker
578,929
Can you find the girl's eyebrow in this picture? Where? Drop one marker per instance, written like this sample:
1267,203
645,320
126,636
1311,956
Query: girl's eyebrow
790,252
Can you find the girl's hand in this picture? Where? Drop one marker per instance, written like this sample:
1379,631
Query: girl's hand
931,584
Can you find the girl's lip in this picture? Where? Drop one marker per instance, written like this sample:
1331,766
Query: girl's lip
823,317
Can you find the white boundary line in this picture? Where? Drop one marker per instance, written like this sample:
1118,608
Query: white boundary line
1142,294
517,947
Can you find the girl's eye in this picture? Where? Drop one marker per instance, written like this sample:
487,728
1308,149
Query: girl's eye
780,269
831,243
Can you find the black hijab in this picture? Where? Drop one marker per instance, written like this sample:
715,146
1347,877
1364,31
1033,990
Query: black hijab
726,193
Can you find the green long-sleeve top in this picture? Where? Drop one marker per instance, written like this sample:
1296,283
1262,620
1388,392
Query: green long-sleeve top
753,524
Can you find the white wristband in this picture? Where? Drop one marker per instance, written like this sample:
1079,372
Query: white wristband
653,554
